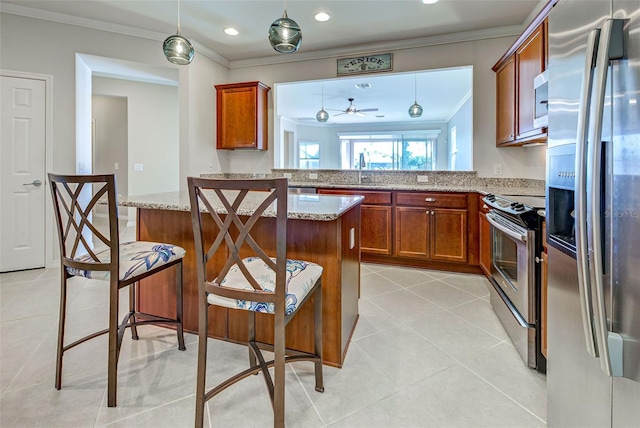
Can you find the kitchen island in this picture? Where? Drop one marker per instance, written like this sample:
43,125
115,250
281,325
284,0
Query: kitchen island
322,229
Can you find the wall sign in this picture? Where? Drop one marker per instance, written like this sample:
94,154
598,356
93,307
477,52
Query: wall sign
365,64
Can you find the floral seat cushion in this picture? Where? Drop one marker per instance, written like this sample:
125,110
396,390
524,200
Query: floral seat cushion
301,276
136,258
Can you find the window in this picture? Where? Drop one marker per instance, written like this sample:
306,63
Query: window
390,151
309,155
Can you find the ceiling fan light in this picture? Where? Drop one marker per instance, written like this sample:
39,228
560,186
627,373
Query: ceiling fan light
178,49
322,116
285,35
415,110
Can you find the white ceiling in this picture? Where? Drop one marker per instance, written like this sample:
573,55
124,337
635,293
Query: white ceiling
355,26
440,93
352,23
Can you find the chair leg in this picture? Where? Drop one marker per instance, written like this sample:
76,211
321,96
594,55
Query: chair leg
132,309
252,337
317,338
202,360
112,375
179,306
61,324
279,378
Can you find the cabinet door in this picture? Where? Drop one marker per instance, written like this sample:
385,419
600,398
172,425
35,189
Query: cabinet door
236,118
448,238
529,63
485,244
375,229
412,229
506,102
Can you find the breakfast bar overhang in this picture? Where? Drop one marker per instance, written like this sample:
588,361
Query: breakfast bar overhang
322,229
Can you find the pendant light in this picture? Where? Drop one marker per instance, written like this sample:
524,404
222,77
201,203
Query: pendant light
284,34
177,48
322,115
416,109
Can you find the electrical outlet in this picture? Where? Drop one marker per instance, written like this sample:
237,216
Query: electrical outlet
423,179
497,169
313,176
116,166
287,175
138,167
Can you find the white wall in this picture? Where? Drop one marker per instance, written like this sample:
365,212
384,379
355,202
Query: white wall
39,46
110,141
482,54
152,133
464,141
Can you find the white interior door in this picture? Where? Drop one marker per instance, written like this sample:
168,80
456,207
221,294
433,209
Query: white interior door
22,176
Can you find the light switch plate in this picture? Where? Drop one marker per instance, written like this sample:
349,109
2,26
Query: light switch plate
287,175
313,176
423,179
138,167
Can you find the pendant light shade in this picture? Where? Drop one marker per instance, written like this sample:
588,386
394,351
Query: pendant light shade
416,109
322,115
284,34
177,48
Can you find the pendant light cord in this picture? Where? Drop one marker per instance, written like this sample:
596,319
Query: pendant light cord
415,87
179,33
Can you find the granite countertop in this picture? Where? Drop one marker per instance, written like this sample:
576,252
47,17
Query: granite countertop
301,207
496,190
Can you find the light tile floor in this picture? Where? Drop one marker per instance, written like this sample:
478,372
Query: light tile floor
427,352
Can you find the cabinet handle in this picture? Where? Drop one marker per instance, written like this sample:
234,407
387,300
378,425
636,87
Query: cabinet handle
429,199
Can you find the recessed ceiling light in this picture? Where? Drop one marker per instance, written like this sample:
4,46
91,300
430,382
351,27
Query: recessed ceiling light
230,31
363,85
429,1
322,16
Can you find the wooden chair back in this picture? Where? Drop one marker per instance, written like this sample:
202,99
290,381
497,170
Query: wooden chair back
74,199
226,202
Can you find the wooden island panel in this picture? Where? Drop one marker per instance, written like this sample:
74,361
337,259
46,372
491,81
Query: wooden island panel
324,242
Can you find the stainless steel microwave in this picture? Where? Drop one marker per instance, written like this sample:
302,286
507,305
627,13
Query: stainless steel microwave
541,89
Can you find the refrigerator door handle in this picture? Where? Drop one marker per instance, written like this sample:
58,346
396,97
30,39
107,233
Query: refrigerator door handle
610,47
580,196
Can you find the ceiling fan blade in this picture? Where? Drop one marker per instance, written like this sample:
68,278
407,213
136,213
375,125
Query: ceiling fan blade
334,109
360,114
338,114
368,109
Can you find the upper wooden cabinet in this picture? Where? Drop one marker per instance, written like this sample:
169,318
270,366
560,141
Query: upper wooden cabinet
242,115
506,102
515,95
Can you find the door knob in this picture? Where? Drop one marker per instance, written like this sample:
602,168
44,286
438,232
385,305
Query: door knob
36,183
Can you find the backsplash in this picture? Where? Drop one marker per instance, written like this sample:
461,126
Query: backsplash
369,177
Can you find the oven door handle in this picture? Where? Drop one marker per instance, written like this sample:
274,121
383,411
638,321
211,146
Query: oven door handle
512,233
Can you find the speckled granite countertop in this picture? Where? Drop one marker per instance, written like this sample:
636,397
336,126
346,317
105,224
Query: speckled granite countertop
301,207
496,190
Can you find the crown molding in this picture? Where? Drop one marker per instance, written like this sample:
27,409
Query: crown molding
366,49
62,18
370,49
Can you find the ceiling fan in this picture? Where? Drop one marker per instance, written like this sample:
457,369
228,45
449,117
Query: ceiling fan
353,110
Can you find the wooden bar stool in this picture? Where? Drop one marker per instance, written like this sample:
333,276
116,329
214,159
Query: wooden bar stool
250,280
119,264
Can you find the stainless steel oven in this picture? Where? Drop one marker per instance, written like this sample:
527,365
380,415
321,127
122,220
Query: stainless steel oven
515,275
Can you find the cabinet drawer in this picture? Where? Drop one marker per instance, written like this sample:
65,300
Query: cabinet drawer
447,200
371,197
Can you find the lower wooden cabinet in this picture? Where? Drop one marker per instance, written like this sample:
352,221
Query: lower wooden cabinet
375,229
434,233
375,220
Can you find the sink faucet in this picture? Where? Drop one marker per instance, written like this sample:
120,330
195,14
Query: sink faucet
360,166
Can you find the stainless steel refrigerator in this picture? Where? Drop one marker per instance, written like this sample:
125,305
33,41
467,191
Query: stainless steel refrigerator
593,214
